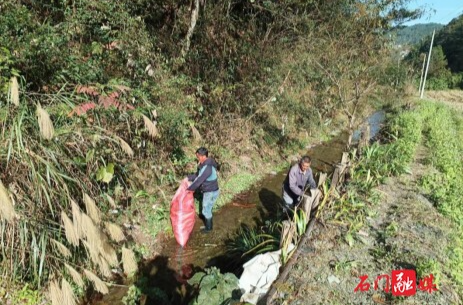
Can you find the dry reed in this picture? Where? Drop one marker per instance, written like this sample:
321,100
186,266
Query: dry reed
91,231
45,123
76,277
97,282
61,248
104,267
93,253
92,209
108,252
77,219
111,201
151,127
71,234
55,294
6,205
129,261
14,91
68,295
115,232
126,147
196,135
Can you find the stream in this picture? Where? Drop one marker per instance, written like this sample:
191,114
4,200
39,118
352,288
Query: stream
170,270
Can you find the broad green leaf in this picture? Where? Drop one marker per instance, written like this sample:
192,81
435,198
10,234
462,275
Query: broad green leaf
209,297
208,282
196,279
105,173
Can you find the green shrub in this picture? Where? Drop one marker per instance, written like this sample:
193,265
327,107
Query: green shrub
215,287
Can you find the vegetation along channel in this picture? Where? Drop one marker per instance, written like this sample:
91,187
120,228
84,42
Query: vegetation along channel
249,210
104,105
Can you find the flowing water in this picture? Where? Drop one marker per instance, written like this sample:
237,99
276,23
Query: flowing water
170,270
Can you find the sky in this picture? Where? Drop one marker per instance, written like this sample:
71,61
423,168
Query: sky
438,11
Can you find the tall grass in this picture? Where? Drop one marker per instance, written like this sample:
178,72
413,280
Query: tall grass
249,242
392,157
51,208
444,135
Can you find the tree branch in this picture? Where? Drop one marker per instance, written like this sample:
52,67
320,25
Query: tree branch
194,18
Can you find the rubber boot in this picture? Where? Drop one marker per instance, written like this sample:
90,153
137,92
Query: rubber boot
208,223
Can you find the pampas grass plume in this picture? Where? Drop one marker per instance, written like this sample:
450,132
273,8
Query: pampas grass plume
14,91
45,123
151,127
115,232
126,147
92,209
104,267
61,248
55,294
68,295
196,134
71,234
93,252
77,219
76,277
97,282
6,206
111,201
129,261
108,252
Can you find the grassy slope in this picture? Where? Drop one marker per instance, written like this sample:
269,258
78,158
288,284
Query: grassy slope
415,225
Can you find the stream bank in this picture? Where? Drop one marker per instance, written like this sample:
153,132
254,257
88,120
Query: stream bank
410,221
170,270
404,232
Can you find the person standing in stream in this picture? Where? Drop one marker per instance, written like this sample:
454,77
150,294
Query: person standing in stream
205,180
299,176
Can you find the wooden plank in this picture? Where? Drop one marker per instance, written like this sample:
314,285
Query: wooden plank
287,233
268,299
344,158
310,202
336,175
322,179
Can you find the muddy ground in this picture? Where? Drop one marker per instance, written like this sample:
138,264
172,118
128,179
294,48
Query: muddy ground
403,231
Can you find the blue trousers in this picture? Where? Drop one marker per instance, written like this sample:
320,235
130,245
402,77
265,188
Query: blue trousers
289,202
209,198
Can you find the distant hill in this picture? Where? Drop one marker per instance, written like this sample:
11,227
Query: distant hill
414,34
450,38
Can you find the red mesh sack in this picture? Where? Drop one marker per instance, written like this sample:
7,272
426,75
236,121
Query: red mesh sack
182,213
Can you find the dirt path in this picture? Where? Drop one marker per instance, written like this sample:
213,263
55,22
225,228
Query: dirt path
403,231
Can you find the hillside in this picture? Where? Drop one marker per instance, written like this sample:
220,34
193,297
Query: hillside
104,103
446,65
414,34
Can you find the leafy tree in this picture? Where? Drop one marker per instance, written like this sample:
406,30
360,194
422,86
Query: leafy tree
451,40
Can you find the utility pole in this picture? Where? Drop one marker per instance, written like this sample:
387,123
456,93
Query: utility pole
427,65
422,72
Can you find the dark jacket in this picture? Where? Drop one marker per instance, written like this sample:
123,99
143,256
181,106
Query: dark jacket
205,177
296,181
